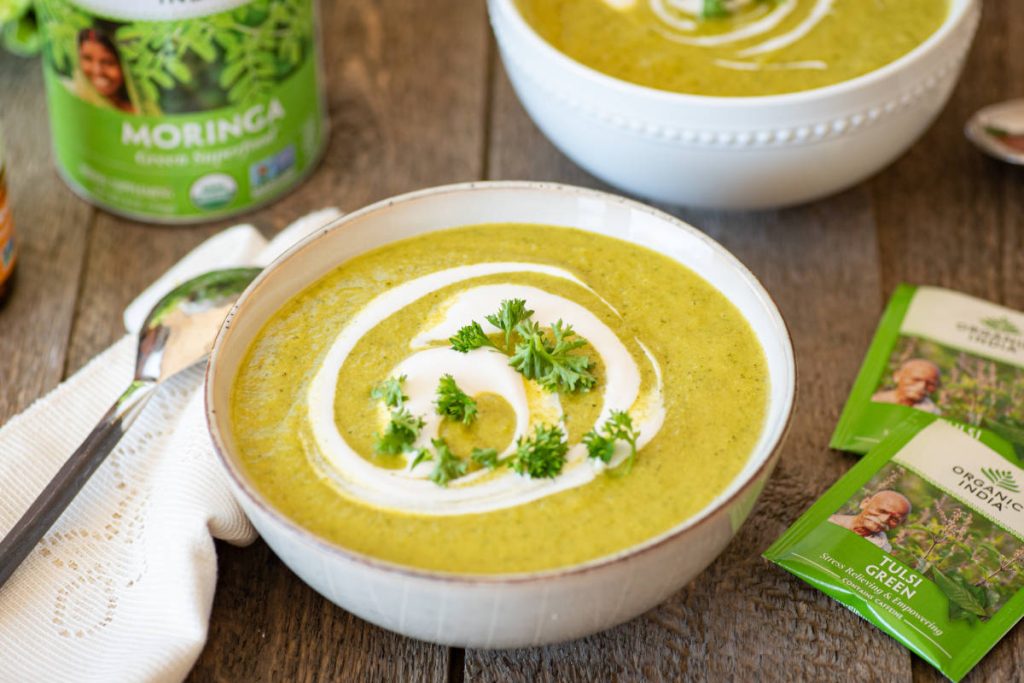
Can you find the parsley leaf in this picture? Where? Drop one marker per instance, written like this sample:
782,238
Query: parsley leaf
486,457
470,337
552,365
452,402
447,465
713,9
422,455
717,9
400,433
549,362
542,455
390,391
509,315
601,445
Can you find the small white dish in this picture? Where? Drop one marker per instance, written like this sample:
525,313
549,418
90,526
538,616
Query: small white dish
733,152
511,610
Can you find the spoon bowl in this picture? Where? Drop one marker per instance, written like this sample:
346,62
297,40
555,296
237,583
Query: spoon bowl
998,130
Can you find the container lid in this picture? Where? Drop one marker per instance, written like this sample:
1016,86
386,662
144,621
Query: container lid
156,10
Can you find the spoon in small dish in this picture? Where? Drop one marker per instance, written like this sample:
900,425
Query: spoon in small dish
177,334
998,130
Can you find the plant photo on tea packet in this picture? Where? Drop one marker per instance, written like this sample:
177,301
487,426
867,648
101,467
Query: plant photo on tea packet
924,538
946,354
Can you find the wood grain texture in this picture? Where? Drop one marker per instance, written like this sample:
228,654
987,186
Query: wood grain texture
939,208
948,215
416,99
743,619
52,227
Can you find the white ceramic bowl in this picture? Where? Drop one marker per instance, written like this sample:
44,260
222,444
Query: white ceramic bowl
522,609
732,152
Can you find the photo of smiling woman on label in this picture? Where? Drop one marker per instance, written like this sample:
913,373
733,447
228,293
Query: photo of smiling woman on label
100,64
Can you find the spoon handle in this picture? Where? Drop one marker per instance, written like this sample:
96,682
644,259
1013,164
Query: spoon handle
66,484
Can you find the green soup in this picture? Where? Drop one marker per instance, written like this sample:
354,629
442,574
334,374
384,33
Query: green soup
698,367
763,47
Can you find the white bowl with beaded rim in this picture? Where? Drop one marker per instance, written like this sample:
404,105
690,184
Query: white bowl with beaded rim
512,610
733,152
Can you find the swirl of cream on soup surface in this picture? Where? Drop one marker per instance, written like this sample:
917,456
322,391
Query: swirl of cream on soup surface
756,20
483,370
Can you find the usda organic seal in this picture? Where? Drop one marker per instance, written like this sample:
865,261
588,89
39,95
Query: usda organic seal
213,191
183,112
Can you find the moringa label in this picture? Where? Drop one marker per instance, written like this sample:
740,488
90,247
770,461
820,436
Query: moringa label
924,538
182,111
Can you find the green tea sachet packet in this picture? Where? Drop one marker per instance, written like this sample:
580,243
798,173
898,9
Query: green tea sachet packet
924,538
944,353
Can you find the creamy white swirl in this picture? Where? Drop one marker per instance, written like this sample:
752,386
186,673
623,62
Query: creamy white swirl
680,23
480,371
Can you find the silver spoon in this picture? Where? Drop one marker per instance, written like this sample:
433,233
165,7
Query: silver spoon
998,130
178,333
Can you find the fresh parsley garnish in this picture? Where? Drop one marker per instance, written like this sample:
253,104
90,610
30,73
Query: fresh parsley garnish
422,455
403,427
552,361
509,315
601,444
399,435
713,9
717,9
470,337
486,457
452,402
541,456
390,391
553,364
447,465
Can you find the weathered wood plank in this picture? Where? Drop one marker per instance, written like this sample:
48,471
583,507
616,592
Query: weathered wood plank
947,215
743,619
939,207
52,227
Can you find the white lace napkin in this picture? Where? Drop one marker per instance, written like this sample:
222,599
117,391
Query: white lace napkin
121,588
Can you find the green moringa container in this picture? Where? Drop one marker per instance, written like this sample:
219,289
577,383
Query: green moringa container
181,112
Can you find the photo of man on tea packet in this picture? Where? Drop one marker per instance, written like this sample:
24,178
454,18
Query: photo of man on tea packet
877,514
915,381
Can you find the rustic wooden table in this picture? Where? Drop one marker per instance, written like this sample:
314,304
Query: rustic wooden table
418,98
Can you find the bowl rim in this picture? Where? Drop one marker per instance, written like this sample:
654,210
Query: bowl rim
959,10
704,516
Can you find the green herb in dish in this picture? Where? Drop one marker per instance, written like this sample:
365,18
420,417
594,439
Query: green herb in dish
447,465
542,455
390,392
400,433
601,445
452,402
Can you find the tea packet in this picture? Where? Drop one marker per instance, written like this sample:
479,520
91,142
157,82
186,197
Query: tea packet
924,538
943,353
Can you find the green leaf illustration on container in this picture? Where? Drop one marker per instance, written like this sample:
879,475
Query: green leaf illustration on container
1002,324
1001,478
229,58
63,23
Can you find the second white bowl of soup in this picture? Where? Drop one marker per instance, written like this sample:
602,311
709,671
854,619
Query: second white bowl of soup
625,415
778,103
